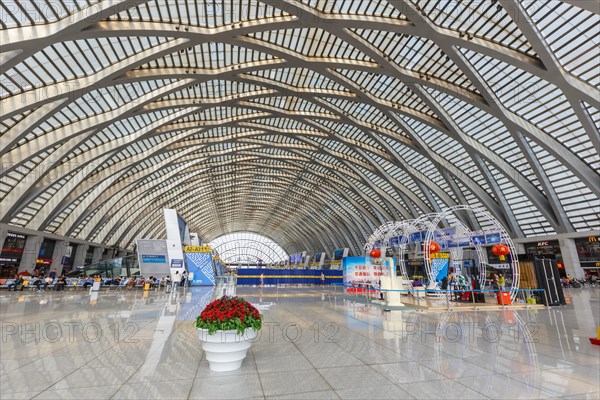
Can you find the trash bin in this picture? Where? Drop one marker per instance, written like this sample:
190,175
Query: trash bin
147,286
503,298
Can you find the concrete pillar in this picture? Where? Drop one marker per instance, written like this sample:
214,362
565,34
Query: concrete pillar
106,253
30,253
60,250
97,255
121,253
79,257
568,251
3,233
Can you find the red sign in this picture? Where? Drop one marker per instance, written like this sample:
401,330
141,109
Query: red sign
44,261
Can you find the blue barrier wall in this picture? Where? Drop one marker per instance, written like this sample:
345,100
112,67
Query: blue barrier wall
251,276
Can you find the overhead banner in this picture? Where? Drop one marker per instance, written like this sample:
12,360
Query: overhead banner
200,265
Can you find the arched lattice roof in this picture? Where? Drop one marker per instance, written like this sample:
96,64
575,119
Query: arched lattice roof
312,121
248,248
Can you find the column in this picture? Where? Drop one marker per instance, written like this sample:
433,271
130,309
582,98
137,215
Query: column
97,255
121,253
3,233
60,250
107,253
80,252
30,253
570,258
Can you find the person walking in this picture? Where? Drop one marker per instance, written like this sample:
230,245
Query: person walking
175,282
501,282
184,279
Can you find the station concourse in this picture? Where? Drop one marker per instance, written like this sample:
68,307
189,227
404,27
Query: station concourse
408,191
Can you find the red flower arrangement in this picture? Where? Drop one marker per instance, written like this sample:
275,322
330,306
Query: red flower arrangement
229,313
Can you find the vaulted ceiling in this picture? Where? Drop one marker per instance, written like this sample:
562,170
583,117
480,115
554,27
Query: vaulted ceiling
311,122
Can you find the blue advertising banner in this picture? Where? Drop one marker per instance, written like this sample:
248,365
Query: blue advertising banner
176,263
478,240
414,237
200,264
439,268
492,238
153,258
360,270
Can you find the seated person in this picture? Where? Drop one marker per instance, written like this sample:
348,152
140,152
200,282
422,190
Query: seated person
87,282
444,284
48,281
61,283
38,282
17,284
417,283
130,283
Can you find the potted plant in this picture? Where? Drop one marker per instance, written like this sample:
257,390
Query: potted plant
225,327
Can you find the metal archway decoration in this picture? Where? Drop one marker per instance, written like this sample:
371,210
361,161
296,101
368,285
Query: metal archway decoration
493,226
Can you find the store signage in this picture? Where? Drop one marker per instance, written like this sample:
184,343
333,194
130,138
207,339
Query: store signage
176,263
44,261
500,266
592,239
154,258
15,235
590,264
11,260
439,255
197,249
543,244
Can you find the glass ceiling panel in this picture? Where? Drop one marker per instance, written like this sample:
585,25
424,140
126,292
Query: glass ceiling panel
300,78
209,55
413,53
285,102
483,19
72,59
311,43
572,34
201,13
378,8
15,13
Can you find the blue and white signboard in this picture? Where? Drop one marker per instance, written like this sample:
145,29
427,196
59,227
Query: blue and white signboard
154,258
200,265
176,263
439,268
492,238
478,240
360,270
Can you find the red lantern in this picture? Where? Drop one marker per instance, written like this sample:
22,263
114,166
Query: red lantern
501,250
433,247
375,253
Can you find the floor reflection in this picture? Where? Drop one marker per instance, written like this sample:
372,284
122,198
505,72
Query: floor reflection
124,343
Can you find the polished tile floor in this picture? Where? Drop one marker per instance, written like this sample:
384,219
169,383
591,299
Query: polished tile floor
314,345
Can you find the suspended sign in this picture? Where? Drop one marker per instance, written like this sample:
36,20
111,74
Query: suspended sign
197,249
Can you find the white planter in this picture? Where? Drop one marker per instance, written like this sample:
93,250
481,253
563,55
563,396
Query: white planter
225,350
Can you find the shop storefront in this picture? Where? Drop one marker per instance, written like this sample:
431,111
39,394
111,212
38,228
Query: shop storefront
546,249
43,262
588,250
12,252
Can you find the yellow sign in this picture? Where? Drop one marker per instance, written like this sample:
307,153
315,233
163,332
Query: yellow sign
197,249
336,263
592,239
439,255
